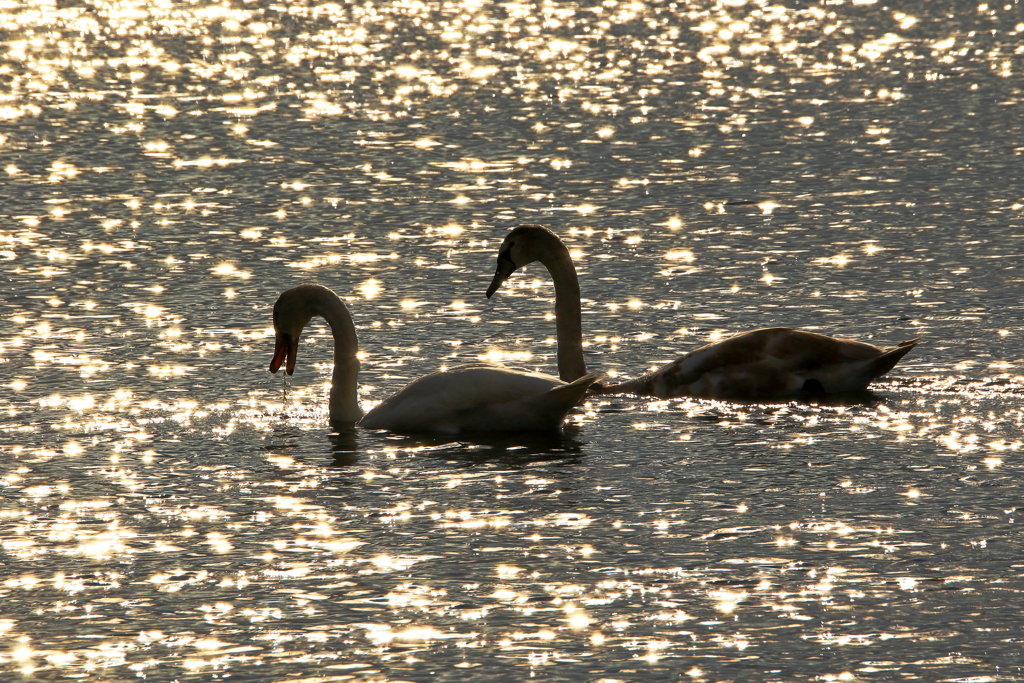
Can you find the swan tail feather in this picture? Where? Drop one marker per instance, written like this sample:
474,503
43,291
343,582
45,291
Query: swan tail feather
639,386
558,401
888,360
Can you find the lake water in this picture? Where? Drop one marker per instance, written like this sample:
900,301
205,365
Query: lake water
170,511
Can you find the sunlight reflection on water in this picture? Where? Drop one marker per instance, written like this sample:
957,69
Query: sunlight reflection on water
172,512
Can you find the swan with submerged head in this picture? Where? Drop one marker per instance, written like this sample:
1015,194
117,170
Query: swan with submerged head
770,363
475,397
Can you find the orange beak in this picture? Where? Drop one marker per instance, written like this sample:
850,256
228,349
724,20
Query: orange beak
285,349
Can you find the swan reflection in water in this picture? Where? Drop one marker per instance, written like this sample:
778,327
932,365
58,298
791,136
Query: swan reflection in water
509,448
520,448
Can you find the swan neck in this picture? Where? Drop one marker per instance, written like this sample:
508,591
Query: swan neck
344,402
568,314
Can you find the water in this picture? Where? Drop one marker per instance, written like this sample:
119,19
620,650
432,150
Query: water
169,512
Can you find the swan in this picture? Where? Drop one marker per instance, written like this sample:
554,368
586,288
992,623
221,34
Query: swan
475,397
769,363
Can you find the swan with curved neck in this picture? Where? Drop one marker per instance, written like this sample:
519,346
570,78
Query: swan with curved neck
760,364
529,243
476,397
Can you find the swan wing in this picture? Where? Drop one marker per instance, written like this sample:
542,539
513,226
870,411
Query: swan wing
479,398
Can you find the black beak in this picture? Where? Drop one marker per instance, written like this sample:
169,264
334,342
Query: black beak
504,270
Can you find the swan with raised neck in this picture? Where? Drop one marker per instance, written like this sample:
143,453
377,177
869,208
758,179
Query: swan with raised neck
476,397
529,243
768,363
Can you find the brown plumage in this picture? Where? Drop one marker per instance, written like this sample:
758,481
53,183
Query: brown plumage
767,364
761,364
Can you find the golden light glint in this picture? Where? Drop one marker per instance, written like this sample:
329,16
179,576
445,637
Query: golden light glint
370,288
499,356
839,260
451,230
683,255
230,270
160,198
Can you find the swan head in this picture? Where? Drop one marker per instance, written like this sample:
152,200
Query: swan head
292,312
523,245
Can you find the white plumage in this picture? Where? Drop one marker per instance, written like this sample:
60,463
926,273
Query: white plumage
476,397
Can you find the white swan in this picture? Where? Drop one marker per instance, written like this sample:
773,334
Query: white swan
477,397
761,364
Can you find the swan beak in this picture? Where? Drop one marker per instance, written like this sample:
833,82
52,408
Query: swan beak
502,273
285,349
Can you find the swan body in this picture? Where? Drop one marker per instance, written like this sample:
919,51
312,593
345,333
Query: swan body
756,365
479,397
476,397
768,364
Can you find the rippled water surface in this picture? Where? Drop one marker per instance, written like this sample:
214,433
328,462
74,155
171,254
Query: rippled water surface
173,512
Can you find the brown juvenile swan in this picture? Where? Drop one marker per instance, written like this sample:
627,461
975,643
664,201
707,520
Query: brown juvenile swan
760,364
